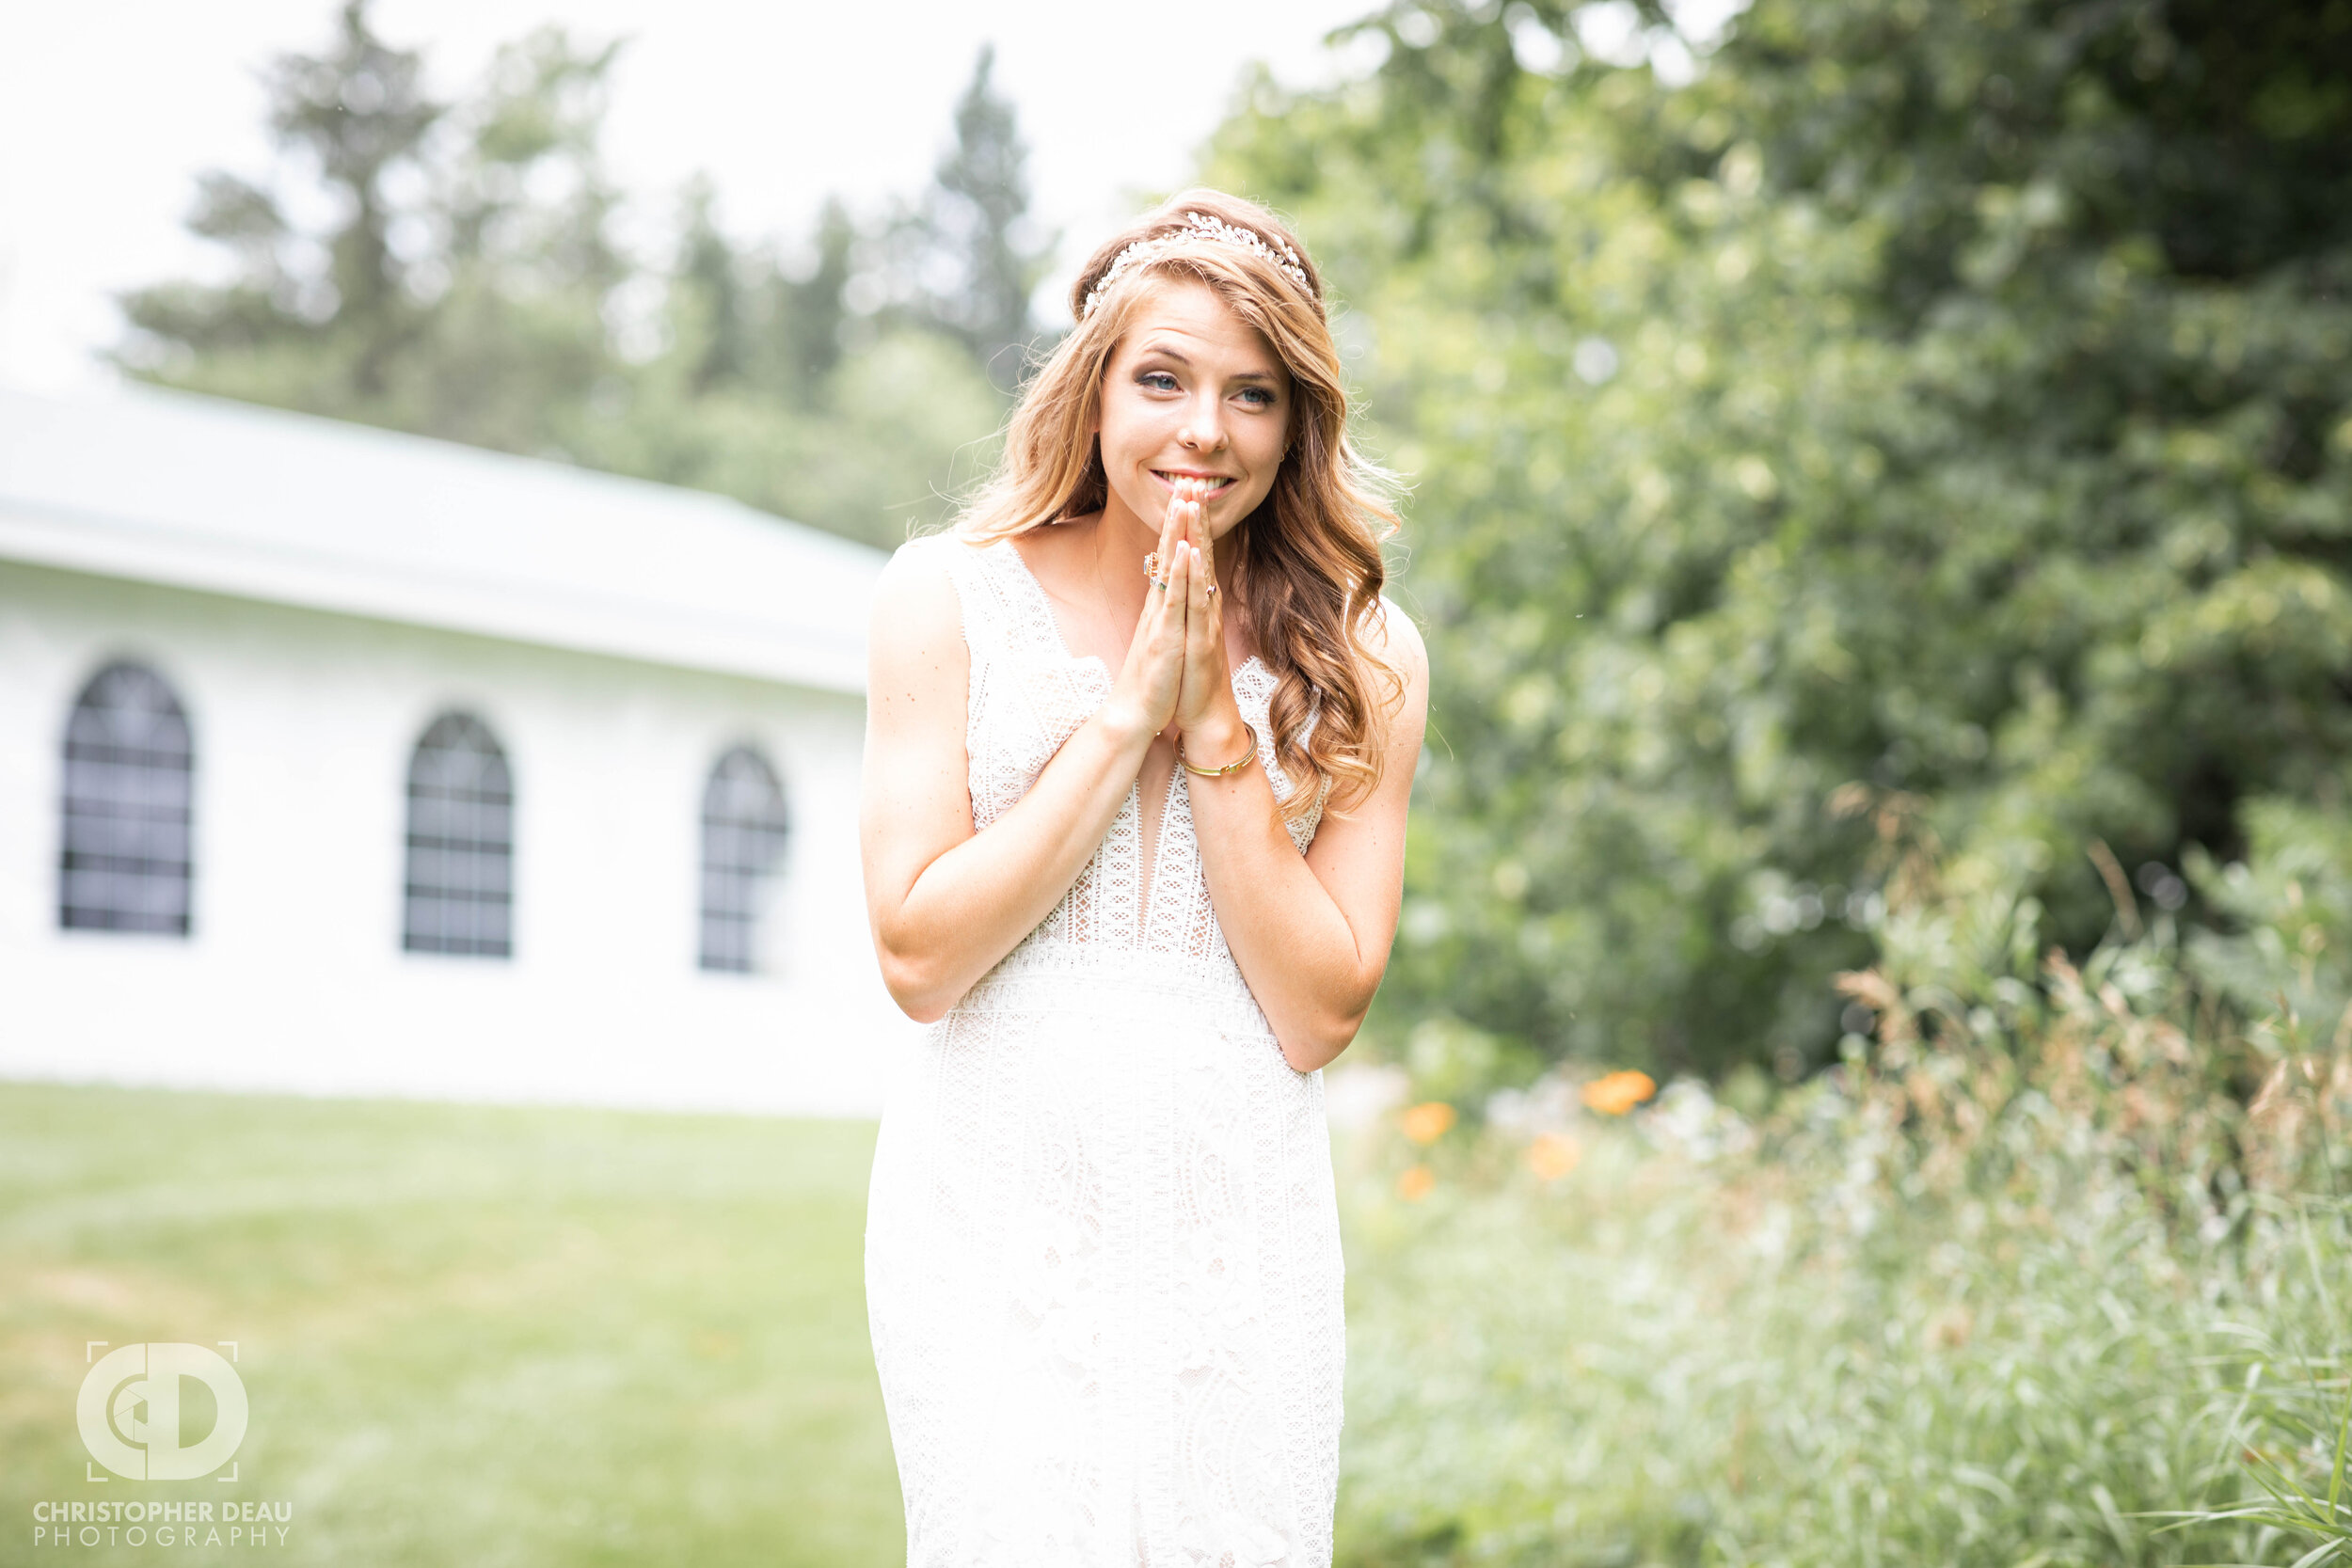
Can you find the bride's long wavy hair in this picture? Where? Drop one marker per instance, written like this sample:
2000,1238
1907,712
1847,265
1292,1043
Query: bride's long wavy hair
1309,568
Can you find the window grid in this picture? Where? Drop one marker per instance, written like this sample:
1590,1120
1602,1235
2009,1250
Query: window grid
745,829
125,861
459,889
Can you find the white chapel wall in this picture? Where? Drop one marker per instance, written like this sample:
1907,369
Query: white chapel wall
294,977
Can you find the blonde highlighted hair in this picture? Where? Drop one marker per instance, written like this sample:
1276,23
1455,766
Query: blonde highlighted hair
1310,570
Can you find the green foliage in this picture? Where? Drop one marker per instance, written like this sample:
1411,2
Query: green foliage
1937,405
1660,1358
2029,1283
487,323
908,392
975,229
469,286
2292,1425
2288,956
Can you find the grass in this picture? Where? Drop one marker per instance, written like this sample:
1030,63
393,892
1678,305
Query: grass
521,1337
1800,1350
477,1335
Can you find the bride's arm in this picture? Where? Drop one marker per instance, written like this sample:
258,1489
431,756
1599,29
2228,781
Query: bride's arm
1311,933
946,902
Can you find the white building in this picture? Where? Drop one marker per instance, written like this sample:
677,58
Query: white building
339,761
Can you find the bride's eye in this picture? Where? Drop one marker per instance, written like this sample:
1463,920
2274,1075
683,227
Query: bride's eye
1159,381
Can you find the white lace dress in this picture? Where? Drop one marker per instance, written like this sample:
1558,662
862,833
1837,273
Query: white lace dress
1102,1249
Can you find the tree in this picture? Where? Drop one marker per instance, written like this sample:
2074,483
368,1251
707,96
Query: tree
360,113
708,281
977,258
471,305
469,286
811,312
1927,424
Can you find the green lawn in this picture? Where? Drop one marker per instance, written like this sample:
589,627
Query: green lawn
476,1335
486,1337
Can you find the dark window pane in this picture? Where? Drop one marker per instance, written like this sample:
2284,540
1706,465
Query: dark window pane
458,895
745,829
125,821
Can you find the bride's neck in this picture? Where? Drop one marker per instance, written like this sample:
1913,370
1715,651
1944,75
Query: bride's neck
1120,532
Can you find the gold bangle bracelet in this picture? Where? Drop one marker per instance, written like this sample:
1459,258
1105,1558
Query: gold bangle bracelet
1234,766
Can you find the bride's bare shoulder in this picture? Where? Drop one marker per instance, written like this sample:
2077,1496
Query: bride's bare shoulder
917,621
1394,635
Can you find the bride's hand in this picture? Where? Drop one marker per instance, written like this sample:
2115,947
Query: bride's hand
1205,709
1153,671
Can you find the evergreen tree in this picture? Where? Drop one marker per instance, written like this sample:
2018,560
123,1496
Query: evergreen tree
975,232
810,311
360,112
708,281
489,303
487,320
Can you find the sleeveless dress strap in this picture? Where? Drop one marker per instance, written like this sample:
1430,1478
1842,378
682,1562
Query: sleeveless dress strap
1027,695
985,612
1005,613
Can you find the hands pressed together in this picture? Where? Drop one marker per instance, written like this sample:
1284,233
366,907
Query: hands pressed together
1176,680
950,898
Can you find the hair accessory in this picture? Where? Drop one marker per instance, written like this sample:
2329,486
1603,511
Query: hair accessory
1206,229
1233,766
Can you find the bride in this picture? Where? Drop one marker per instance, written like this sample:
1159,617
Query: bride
1141,734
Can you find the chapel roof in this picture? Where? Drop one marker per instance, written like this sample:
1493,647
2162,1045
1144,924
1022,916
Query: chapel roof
257,503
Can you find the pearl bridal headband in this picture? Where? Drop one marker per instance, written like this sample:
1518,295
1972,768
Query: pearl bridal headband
1206,229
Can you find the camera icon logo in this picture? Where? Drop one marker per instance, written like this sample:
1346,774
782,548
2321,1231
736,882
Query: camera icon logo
130,1409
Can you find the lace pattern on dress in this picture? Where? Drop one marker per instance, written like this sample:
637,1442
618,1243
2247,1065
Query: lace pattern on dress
1028,695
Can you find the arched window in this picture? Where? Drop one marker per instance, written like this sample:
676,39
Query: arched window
745,827
460,893
130,785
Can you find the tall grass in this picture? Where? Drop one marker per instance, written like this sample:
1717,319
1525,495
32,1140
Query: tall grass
2054,1270
1662,1358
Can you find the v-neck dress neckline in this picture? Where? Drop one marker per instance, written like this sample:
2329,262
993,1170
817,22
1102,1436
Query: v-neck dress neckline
1152,850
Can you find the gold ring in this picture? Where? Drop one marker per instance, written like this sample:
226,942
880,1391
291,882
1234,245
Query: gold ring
1160,583
1152,566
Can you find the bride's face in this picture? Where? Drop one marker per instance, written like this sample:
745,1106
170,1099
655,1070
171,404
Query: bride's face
1192,392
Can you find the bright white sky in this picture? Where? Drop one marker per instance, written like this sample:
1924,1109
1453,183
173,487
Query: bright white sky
110,108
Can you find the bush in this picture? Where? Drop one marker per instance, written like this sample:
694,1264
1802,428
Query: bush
2050,1269
1948,400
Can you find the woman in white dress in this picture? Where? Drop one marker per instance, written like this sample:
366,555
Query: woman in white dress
1141,733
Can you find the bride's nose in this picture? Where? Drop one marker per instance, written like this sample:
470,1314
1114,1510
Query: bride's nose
1203,429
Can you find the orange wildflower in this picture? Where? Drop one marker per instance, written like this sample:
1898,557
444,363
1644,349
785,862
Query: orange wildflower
1613,1094
1428,1122
1552,1155
1415,1183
